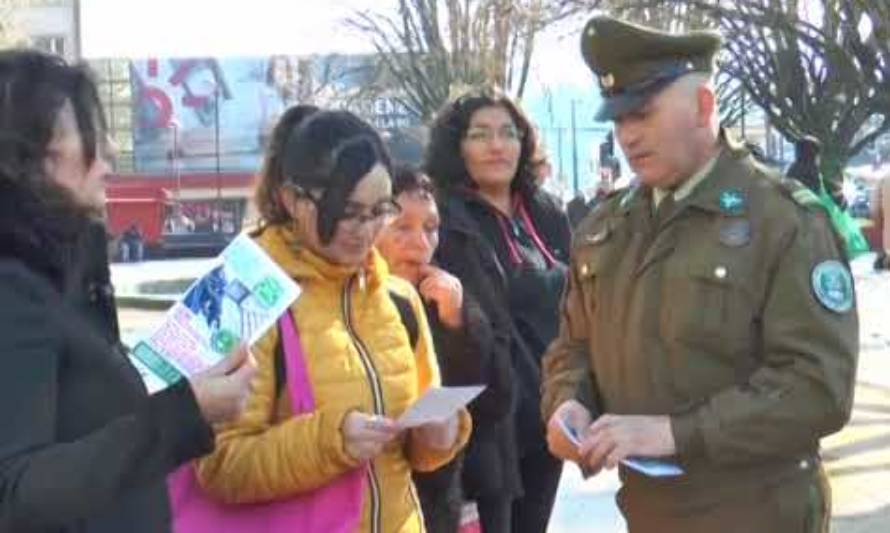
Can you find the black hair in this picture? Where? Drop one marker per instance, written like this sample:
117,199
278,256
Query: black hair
266,196
807,148
326,156
443,161
409,179
34,88
805,167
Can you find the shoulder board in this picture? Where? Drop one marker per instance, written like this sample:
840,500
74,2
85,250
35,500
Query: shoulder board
799,193
627,195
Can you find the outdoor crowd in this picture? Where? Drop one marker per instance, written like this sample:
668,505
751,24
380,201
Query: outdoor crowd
705,316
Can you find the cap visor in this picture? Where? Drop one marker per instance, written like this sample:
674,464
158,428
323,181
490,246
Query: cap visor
615,106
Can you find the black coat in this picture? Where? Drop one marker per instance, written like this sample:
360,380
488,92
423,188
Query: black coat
476,353
83,448
578,208
471,248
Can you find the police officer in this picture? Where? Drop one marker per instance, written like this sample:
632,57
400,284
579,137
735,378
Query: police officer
709,322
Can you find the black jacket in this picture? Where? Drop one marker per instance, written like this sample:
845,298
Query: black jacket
83,448
476,353
577,208
471,248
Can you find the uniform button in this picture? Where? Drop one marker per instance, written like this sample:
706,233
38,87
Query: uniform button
720,272
804,464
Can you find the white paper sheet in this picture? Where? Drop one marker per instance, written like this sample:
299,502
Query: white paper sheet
438,404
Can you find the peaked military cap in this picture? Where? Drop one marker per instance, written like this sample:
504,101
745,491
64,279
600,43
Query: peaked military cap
633,62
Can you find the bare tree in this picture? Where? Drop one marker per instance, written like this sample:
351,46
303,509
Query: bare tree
429,49
11,33
817,67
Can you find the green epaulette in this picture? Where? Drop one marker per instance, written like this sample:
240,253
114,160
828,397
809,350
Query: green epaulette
627,196
799,193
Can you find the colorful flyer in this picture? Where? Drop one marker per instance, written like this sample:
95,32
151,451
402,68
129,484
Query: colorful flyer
241,296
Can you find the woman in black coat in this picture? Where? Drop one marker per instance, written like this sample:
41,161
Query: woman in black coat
83,448
471,349
508,240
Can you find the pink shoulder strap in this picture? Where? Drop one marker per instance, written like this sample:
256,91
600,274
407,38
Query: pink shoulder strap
298,384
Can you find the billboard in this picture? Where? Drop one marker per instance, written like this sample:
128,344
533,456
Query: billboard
200,114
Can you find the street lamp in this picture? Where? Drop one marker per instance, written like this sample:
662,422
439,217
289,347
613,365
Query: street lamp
174,159
217,219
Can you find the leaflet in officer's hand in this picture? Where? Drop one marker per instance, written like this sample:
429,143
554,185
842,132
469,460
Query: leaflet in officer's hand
438,404
235,302
653,467
644,465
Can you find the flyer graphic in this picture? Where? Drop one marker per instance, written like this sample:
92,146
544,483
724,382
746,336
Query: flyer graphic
235,302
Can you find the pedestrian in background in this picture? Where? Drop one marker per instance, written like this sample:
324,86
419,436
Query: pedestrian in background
807,169
83,447
578,208
503,234
470,348
710,318
880,206
322,209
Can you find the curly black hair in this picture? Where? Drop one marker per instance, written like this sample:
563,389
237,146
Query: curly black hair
443,161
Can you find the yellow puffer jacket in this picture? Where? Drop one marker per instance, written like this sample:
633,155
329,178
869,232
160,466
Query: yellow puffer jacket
269,454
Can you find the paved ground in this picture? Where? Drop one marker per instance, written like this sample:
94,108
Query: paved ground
857,459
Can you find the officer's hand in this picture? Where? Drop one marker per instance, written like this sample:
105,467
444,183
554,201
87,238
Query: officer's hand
577,418
613,438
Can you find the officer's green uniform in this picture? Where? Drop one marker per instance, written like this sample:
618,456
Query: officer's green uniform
734,314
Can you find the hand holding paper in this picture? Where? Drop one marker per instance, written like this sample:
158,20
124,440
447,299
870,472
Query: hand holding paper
364,435
649,466
235,302
564,428
437,405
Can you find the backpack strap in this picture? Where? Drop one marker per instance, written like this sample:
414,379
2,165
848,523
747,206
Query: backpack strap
406,315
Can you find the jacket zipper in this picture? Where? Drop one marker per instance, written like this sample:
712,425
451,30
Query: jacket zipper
377,393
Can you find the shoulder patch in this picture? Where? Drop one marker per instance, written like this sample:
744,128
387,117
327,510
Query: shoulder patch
833,286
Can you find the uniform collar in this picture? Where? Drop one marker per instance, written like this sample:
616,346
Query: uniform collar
725,172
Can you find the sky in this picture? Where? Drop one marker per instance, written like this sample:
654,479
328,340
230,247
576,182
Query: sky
138,28
183,28
220,28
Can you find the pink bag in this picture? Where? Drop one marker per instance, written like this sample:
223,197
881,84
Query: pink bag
334,508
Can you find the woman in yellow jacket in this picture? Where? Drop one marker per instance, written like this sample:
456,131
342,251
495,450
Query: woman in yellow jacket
325,194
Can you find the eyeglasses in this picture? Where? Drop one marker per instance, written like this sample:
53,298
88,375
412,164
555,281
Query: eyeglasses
487,135
355,215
